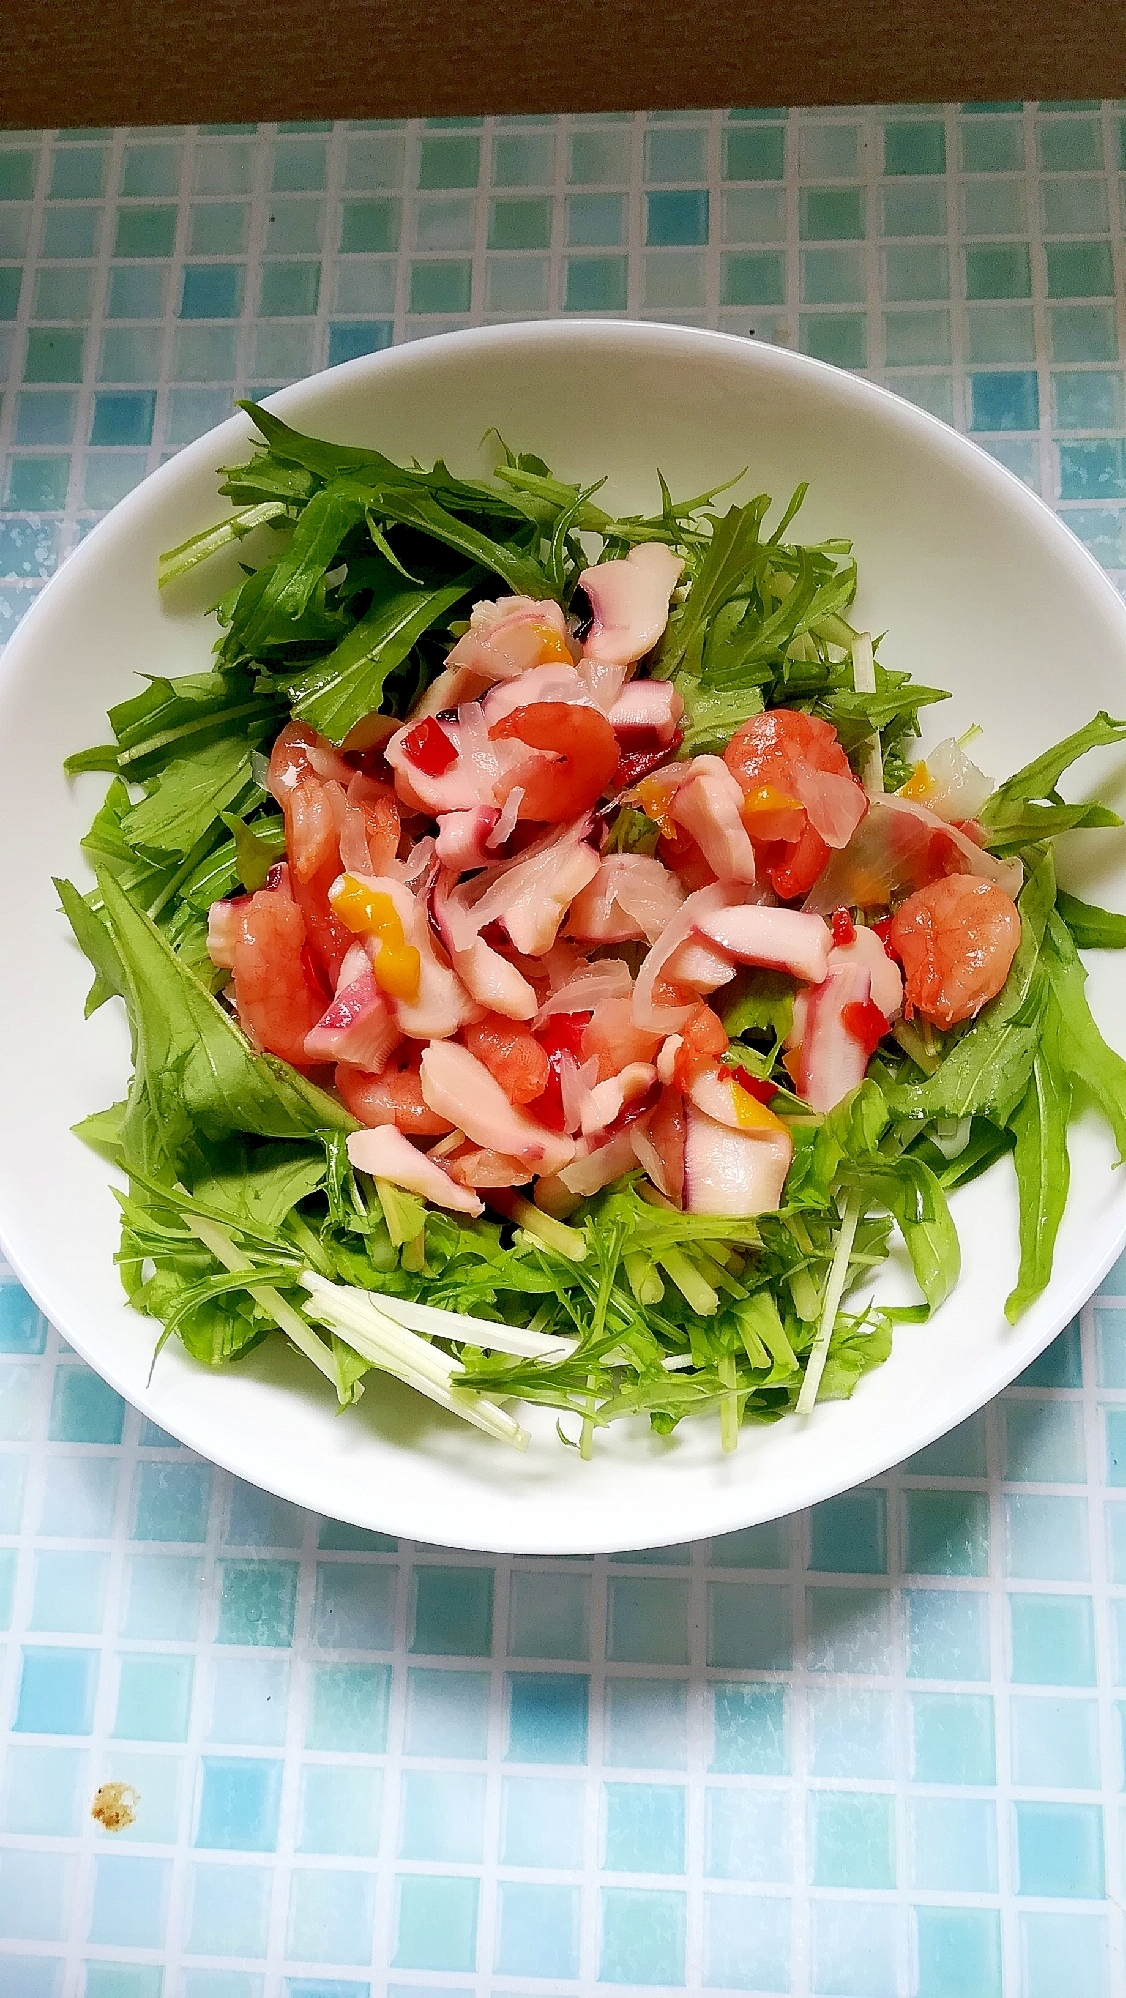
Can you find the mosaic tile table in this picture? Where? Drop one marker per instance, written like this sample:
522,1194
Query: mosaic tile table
875,1752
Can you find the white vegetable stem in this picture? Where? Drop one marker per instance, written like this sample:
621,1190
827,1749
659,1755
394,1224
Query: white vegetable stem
283,1314
476,1331
378,1337
864,681
834,1291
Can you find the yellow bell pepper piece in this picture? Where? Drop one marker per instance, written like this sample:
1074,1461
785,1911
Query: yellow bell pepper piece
918,785
750,1114
552,647
368,912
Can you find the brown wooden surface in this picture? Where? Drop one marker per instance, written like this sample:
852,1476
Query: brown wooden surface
108,62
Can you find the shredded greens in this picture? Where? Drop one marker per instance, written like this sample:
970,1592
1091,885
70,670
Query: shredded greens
242,1218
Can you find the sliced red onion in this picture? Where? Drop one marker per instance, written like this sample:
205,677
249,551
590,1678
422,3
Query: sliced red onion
590,988
506,823
460,1088
224,928
576,1082
684,925
593,1170
387,1154
487,976
359,1027
834,803
891,854
647,1156
778,939
631,896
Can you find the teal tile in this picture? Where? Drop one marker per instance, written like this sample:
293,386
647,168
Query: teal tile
758,278
750,1736
62,292
766,1546
599,158
13,1471
205,353
145,232
156,1777
1110,1324
916,271
914,146
69,1591
256,1602
832,277
1004,333
43,1791
130,354
123,1980
53,356
223,169
23,1328
337,1536
17,174
31,548
299,166
525,159
677,217
445,222
339,1811
11,281
755,155
958,1950
211,291
348,1708
750,1626
848,1630
647,1620
190,412
35,1891
753,215
78,173
994,208
369,226
746,1942
1060,1850
442,286
853,1948
916,208
80,1498
223,1984
448,1714
832,214
18,1382
354,1609
517,285
40,485
952,1842
56,1694
1053,1640
852,1839
547,1719
829,151
1116,1542
437,1923
851,1733
946,1533
294,228
249,1699
331,1915
1008,401
848,1535
8,1563
1102,530
542,1822
998,270
239,1803
1065,1953
595,221
258,1519
675,156
449,162
373,162
1043,1439
1074,207
646,1723
171,1502
1069,145
643,1827
1079,270
1055,1743
150,170
992,145
442,1815
111,475
520,224
947,1634
73,232
841,339
123,419
916,339
747,1835
537,1930
452,1611
1082,333
230,1908
549,1615
154,1698
643,1934
1093,470
1046,1538
952,1738
130,1905
136,291
84,1408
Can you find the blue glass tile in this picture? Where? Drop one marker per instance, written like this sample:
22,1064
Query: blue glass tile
340,1810
130,1901
35,1896
549,1615
73,232
331,1915
1060,1850
337,1536
84,1408
13,1471
1079,270
953,1844
537,1930
11,282
1082,333
442,1815
1046,1539
1053,1640
223,1984
123,1980
747,1835
1060,1365
163,1597
548,1716
542,1822
915,146
947,1634
258,1519
36,1976
851,1733
680,217
287,291
348,1708
23,1328
230,1909
325,1987
69,1591
852,1839
45,417
136,291
947,1533
644,1828
1044,1442
1093,470
643,1934
53,355
154,1698
171,1501
123,419
211,291
646,1723
595,284
849,1630
8,1561
1055,1743
355,1607
145,232
42,1791
750,1737
675,156
1008,401
750,1625
448,1714
349,339
256,1602
29,548
18,1381
952,1736
959,1951
78,173
747,1943
848,1535
239,1803
766,1546
249,1699
1114,1420
452,1612
56,1693
437,1923
150,170
647,1620
755,155
17,175
854,1949
1064,1953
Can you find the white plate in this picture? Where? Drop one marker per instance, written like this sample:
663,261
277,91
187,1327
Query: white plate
979,588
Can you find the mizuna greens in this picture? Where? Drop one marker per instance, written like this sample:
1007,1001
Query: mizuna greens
243,1218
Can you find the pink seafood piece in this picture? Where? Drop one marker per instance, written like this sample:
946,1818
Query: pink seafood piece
458,1086
709,805
509,636
595,1167
866,949
476,1165
732,1171
898,847
606,1100
530,896
359,1027
631,896
646,712
778,939
442,1004
831,1060
386,1154
651,1009
463,836
629,600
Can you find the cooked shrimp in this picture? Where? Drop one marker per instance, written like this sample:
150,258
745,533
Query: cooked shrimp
800,796
394,1097
585,749
703,1040
956,939
513,1055
276,1003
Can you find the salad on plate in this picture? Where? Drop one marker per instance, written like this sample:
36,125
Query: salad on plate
553,974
